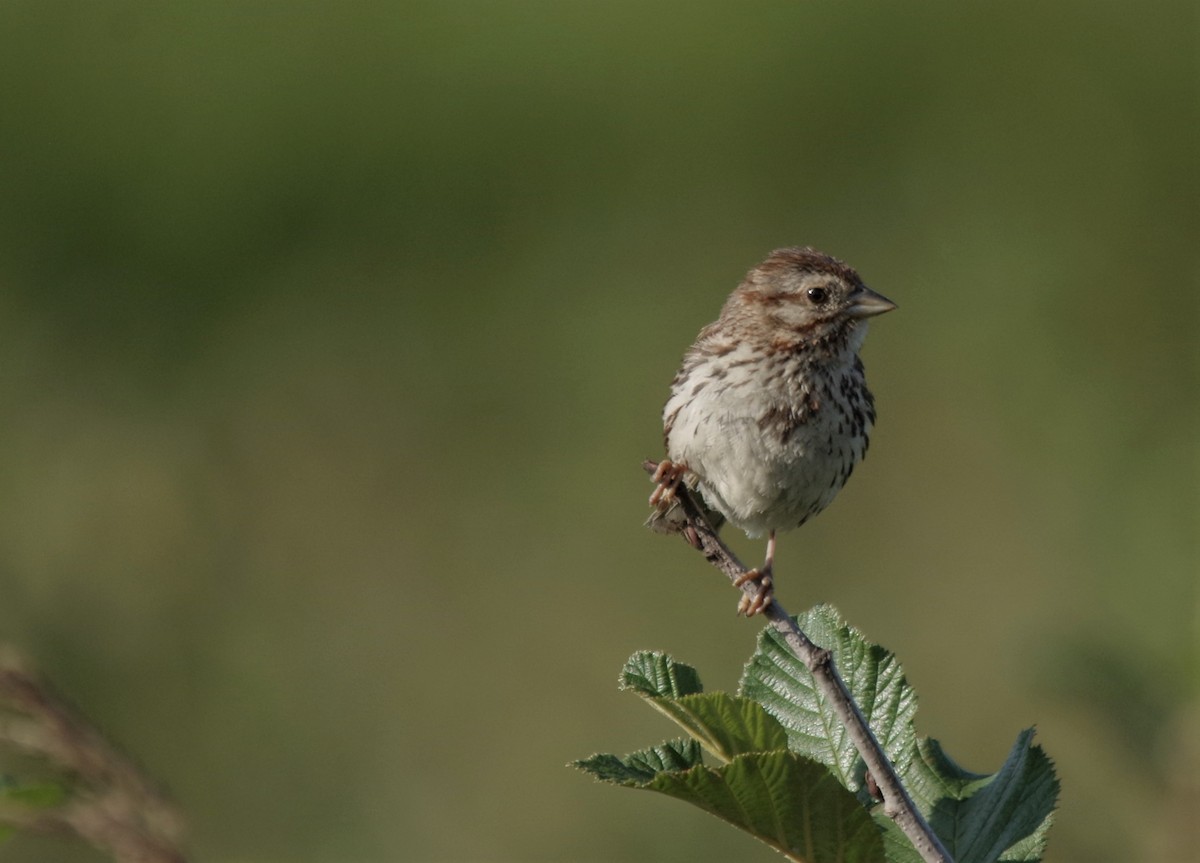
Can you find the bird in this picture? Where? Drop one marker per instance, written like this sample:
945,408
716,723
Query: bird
769,412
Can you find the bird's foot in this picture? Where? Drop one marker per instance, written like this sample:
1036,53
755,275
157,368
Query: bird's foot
756,603
668,476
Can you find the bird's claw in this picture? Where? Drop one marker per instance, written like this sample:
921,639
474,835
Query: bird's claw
668,475
757,602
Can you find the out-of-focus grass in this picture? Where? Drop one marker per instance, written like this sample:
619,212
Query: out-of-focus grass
333,338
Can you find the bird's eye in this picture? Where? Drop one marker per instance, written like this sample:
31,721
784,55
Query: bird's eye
817,295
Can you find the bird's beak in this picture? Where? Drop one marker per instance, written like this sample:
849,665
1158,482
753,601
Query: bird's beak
865,303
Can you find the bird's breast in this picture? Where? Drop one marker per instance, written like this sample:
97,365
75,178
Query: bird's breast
771,442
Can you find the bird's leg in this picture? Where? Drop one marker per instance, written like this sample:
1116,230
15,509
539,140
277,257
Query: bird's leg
752,605
668,476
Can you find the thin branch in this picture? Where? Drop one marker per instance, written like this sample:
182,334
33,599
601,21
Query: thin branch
111,803
897,804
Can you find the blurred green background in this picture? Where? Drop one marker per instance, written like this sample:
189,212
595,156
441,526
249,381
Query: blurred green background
332,336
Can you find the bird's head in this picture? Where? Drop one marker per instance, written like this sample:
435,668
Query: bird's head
802,294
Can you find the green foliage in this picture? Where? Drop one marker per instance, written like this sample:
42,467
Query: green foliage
786,773
1003,817
778,680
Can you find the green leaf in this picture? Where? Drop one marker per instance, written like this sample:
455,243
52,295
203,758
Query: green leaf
982,818
725,725
656,674
1004,816
640,768
779,681
785,800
